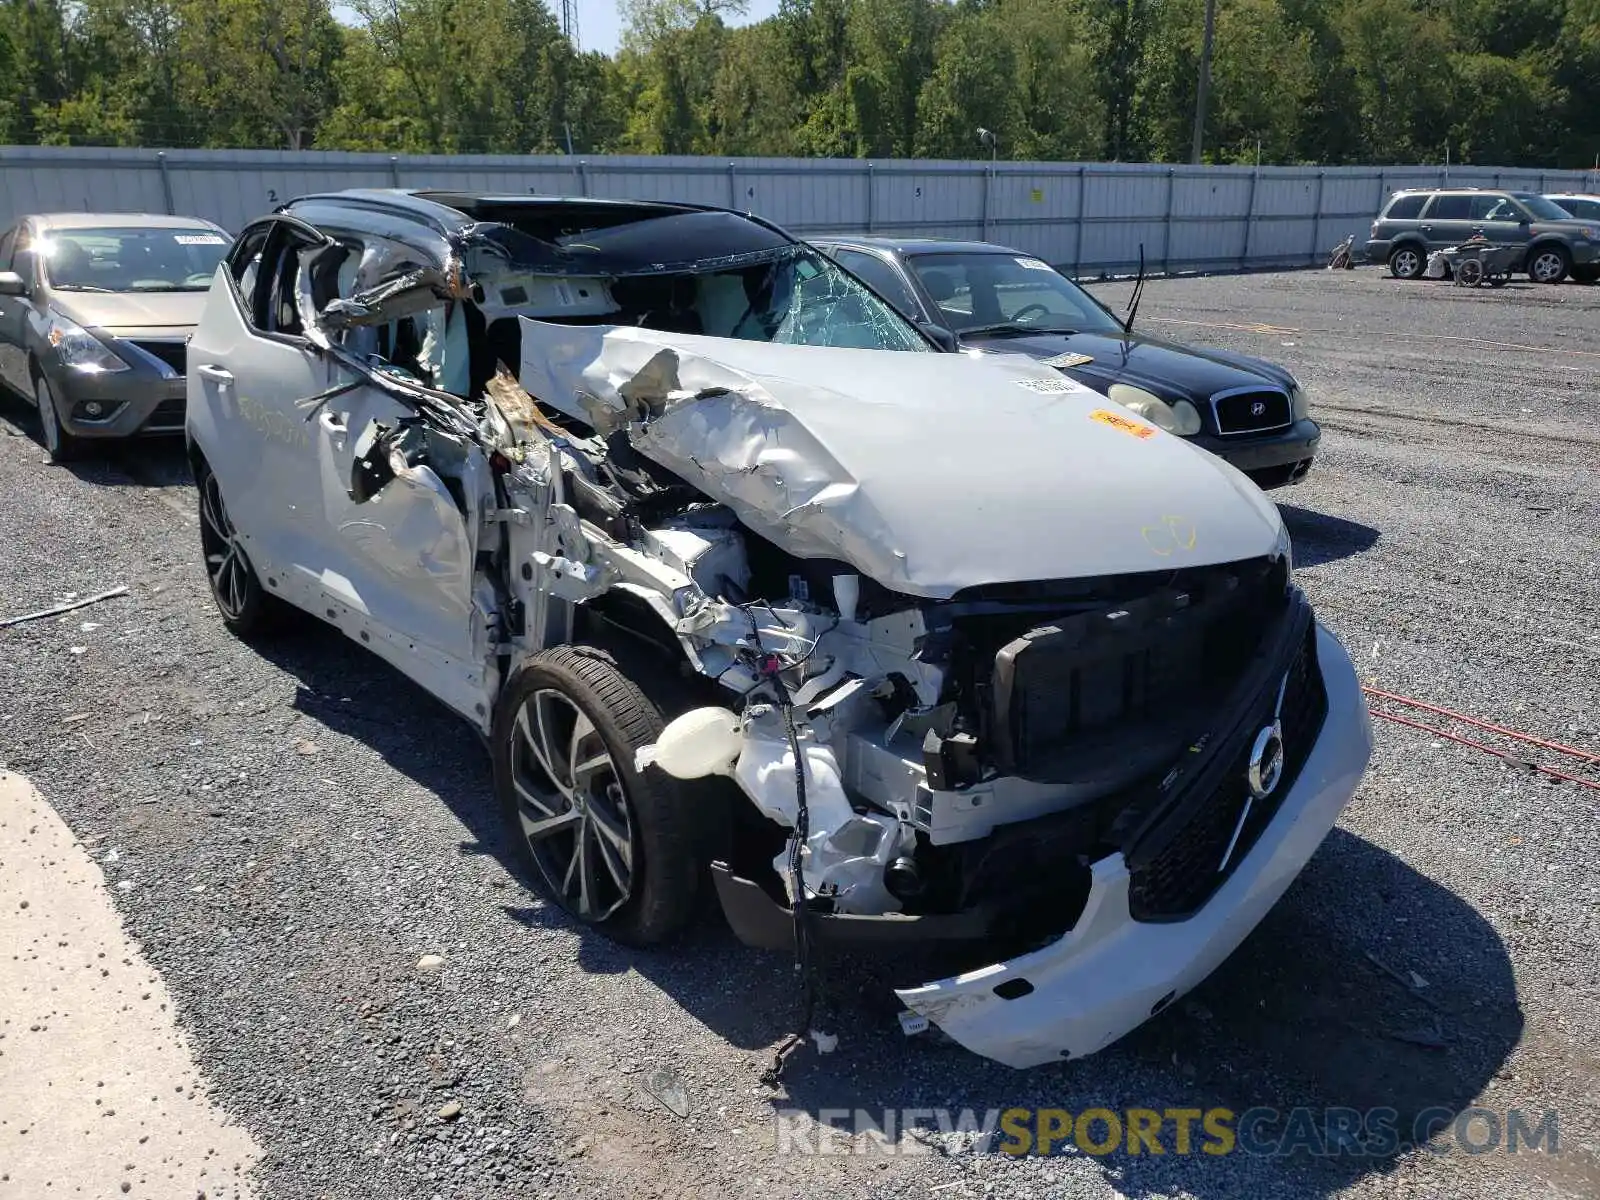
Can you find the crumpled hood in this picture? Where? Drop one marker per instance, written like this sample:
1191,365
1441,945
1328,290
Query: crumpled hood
929,473
120,311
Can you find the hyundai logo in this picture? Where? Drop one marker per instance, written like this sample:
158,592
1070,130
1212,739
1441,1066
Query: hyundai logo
1258,408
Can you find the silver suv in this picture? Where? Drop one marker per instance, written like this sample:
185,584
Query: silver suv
1413,223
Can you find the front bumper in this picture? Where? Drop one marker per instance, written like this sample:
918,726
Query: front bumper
1271,461
134,402
1584,253
1110,973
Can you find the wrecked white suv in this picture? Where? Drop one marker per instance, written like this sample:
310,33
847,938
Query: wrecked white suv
664,502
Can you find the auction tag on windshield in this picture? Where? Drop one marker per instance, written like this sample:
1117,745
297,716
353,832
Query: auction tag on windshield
1126,424
198,239
1033,264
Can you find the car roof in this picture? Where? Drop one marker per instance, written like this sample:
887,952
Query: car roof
451,210
913,245
1572,195
119,220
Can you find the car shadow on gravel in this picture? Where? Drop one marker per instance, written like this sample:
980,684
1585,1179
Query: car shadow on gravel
1322,538
142,462
1369,987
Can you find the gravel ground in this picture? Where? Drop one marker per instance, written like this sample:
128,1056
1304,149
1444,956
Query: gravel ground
291,828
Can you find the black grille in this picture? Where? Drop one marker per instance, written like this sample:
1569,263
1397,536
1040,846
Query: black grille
1252,412
1178,880
168,414
1102,694
174,354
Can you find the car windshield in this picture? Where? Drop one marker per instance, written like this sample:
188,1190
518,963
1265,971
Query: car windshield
1544,210
181,259
1003,293
801,299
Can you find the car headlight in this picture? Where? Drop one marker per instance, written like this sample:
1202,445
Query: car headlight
1591,234
1179,417
1299,404
1284,548
79,349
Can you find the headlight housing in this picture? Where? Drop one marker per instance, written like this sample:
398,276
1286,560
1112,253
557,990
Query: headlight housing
1299,404
1284,549
1179,417
79,349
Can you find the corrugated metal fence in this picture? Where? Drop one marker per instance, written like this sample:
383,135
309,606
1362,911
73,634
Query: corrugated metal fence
1087,218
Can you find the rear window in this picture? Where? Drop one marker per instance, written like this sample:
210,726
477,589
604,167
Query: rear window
1451,208
1402,208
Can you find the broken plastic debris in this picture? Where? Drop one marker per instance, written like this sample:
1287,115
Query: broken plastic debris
913,1023
430,964
666,1086
827,1043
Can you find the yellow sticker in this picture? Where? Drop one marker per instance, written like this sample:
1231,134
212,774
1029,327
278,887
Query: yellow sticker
1126,424
1037,195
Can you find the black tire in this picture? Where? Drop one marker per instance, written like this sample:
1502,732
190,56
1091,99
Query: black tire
1408,261
60,445
247,608
1549,263
654,814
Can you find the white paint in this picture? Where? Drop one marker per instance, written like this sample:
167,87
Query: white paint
927,472
97,1085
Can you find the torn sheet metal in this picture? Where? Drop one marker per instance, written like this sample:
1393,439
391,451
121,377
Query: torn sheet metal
905,465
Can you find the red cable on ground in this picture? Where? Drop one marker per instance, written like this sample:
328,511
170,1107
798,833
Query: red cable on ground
1511,733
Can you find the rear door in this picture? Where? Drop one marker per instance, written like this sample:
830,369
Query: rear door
251,367
1447,221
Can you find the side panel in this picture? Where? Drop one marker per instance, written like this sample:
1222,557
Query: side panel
243,393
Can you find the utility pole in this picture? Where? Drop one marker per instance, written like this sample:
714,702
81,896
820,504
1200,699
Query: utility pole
1204,88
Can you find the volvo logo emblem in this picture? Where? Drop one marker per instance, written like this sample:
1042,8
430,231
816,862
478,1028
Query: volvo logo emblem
1258,408
1266,762
1263,772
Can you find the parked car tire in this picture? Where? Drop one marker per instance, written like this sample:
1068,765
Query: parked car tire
1407,262
614,847
247,608
1549,264
60,445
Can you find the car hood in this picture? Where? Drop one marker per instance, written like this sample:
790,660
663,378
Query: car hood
1165,368
117,311
929,473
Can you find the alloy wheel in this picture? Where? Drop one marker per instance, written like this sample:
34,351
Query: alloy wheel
226,565
572,805
1547,267
1407,264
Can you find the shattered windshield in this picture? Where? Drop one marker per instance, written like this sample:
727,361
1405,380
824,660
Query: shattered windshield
132,260
800,299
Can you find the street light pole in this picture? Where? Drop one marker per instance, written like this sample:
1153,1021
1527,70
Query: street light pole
1204,88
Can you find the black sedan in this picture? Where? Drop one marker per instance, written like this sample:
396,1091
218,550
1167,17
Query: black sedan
990,298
